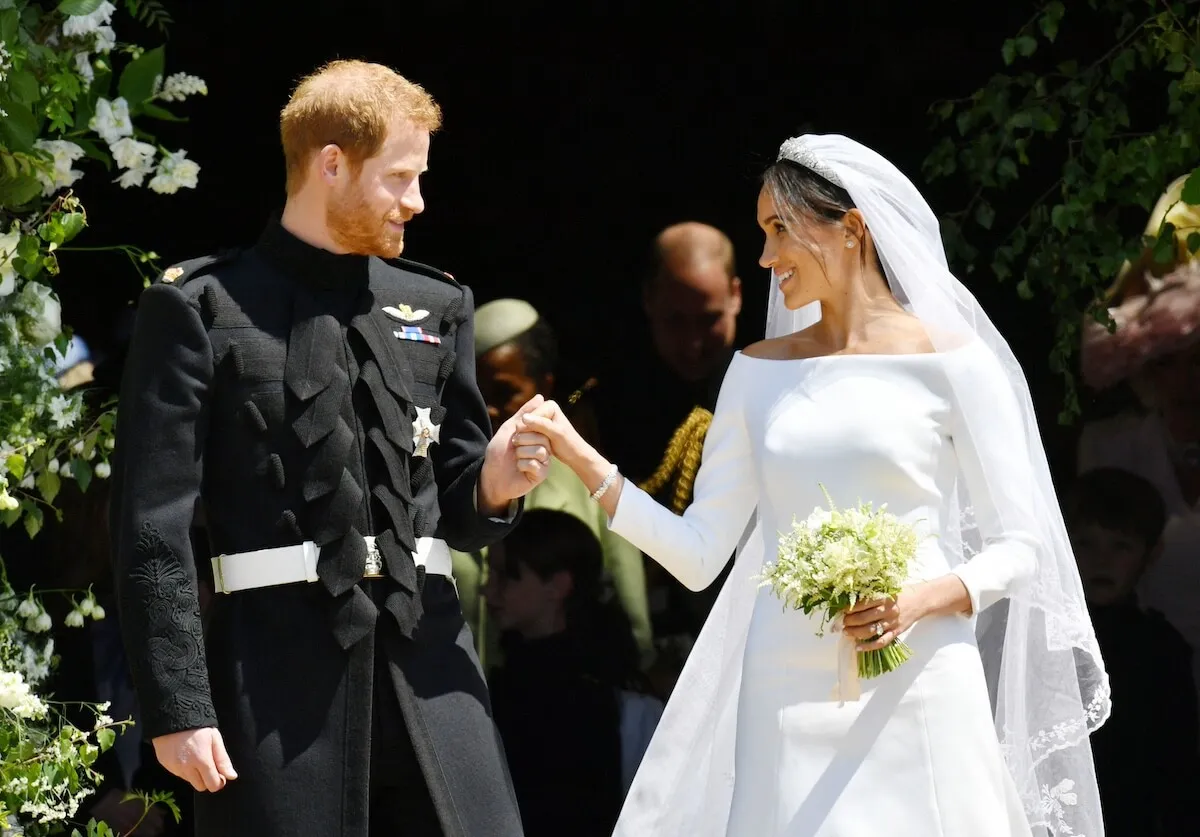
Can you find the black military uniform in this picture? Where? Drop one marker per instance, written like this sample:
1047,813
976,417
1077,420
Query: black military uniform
271,387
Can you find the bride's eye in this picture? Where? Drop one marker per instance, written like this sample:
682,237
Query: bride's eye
780,229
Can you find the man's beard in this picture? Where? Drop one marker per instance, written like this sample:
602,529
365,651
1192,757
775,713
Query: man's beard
357,229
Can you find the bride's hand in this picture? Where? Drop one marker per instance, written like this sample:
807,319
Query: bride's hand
593,470
876,623
549,421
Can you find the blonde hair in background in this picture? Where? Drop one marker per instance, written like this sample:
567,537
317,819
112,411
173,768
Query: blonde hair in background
1170,208
350,104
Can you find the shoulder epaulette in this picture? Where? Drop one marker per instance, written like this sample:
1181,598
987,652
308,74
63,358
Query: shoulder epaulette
178,274
424,270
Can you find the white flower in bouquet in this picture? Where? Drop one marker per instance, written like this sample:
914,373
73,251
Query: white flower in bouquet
8,254
111,120
42,313
136,158
839,557
89,24
175,172
64,153
5,61
83,66
106,39
64,412
16,697
39,624
177,87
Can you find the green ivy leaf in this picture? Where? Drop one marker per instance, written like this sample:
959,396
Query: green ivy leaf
94,152
48,485
16,465
10,22
1191,189
105,737
18,191
1009,51
1058,217
72,225
137,80
24,87
1024,290
52,232
1026,46
1193,242
155,112
985,215
1006,169
28,247
32,519
19,129
81,470
1052,15
76,8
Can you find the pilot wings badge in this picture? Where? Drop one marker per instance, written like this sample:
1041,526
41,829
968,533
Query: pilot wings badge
405,313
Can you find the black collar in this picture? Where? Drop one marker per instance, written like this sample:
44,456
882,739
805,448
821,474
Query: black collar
314,267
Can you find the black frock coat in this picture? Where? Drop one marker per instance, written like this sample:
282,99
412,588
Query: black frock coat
268,389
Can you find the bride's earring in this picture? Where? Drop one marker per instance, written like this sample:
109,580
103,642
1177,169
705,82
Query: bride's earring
850,244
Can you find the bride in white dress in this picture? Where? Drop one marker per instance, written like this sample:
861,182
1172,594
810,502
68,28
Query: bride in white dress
903,393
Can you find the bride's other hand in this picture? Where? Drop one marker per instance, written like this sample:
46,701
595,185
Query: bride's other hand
876,623
940,597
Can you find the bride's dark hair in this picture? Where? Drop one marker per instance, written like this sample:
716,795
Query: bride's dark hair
800,194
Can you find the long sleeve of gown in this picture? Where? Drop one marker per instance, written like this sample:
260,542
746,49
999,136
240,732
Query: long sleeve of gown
696,546
991,452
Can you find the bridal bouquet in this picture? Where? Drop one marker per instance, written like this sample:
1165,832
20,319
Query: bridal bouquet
839,557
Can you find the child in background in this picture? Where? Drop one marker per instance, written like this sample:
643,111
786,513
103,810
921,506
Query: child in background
1146,760
568,699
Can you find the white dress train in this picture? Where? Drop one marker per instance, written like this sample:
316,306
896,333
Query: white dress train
917,755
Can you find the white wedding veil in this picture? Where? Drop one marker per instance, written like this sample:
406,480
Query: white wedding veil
1049,688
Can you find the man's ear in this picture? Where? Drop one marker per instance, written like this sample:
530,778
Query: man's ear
331,164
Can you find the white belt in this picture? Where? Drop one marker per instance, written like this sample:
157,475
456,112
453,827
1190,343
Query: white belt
291,564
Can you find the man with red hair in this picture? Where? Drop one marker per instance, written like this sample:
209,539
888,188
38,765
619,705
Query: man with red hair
315,394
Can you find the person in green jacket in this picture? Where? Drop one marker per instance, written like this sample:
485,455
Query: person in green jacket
516,353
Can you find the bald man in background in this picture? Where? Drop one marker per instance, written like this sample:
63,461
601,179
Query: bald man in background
691,297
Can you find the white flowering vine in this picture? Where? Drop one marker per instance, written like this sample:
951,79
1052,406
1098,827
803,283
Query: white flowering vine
73,100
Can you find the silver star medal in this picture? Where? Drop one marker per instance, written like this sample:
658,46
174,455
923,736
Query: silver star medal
425,432
405,313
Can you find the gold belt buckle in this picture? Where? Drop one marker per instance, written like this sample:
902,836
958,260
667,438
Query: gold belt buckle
374,568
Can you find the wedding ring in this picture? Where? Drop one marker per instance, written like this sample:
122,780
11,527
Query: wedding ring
878,627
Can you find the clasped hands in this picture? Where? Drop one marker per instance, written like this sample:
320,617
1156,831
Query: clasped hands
518,456
542,430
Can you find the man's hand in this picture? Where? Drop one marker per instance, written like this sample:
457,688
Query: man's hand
197,756
511,471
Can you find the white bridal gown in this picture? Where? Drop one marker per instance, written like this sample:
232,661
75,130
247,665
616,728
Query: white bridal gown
917,755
